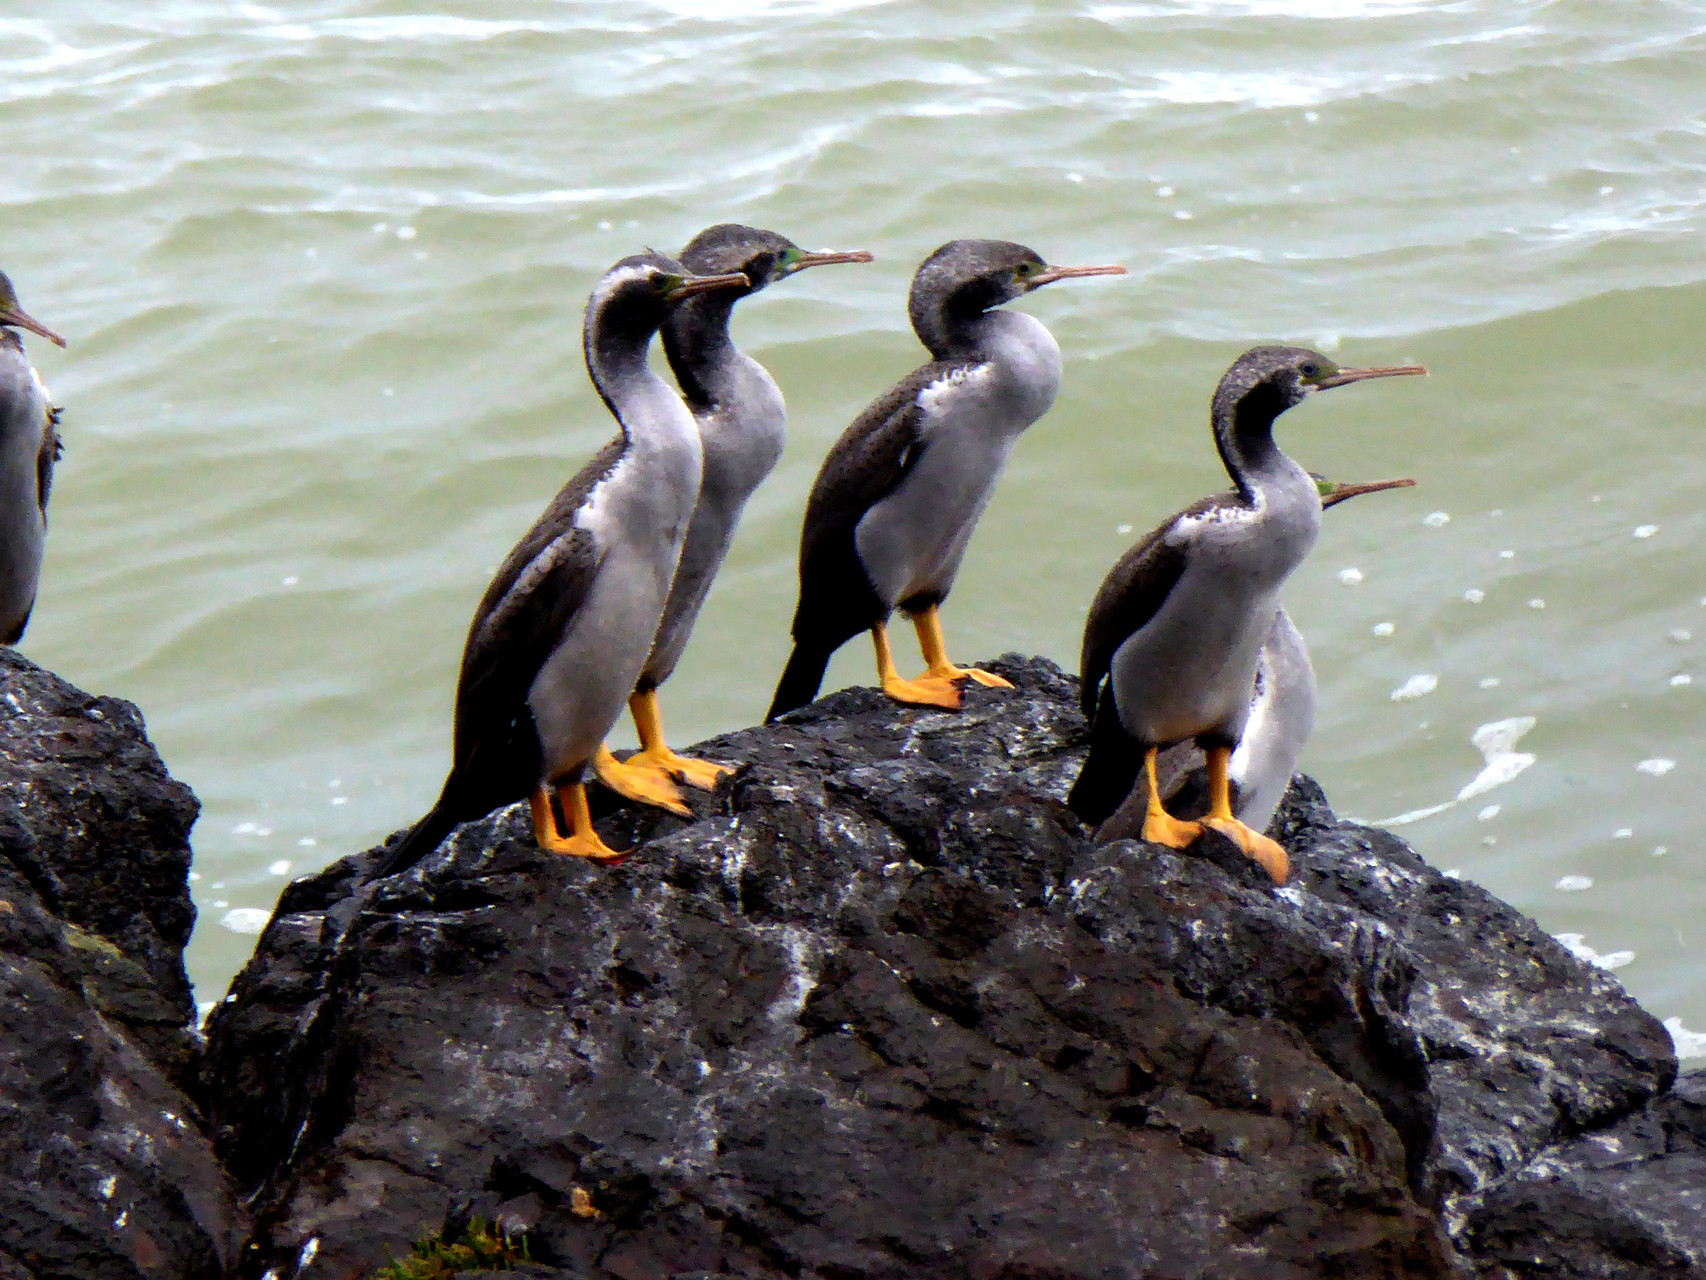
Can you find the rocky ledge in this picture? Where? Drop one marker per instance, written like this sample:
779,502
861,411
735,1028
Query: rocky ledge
105,1172
882,1011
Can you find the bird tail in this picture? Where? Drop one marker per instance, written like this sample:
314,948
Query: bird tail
1110,770
800,680
422,838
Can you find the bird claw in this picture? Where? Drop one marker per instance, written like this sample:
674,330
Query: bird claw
926,691
1266,853
641,781
1164,829
955,675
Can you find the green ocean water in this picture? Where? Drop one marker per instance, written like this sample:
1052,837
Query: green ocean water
322,265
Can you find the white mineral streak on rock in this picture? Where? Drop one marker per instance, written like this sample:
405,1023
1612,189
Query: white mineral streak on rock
1502,762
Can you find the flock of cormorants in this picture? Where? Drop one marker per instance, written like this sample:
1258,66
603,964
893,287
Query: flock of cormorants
1187,654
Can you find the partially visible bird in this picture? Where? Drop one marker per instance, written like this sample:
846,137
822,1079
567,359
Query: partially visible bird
563,631
29,446
895,503
1282,716
741,419
1174,634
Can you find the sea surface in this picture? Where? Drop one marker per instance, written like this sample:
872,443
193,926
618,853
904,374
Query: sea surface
322,265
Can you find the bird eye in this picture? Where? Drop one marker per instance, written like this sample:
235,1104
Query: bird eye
1309,369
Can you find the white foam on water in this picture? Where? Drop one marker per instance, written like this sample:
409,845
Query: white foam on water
1383,628
1417,686
1679,681
1350,577
1623,833
1646,530
1474,595
1328,10
1688,1044
1496,741
245,919
1487,814
279,868
1658,766
1436,519
1573,884
1576,945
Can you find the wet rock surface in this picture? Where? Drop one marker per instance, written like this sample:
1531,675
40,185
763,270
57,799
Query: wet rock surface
1628,1200
882,1010
104,1171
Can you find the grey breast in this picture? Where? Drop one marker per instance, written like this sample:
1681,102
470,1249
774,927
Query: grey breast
24,423
913,541
1189,669
742,439
638,517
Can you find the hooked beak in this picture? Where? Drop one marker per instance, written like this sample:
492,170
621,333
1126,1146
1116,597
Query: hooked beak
1344,377
16,318
830,259
1072,273
1339,492
706,284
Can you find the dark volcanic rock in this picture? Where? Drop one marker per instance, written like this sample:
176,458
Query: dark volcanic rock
91,821
103,1171
1627,1201
883,1011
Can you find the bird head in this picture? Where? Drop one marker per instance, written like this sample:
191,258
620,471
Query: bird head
764,257
1291,375
965,278
13,316
640,289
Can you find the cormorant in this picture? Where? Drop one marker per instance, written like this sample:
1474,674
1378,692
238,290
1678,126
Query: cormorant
562,632
29,446
1171,644
896,501
1282,715
741,421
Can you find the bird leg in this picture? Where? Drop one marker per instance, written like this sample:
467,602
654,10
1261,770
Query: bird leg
1267,853
1159,826
582,841
920,693
695,773
929,627
649,776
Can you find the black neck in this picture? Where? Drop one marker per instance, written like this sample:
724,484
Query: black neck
696,341
1244,434
616,356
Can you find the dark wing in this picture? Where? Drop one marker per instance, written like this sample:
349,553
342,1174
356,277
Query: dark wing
864,466
1130,596
523,613
52,449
